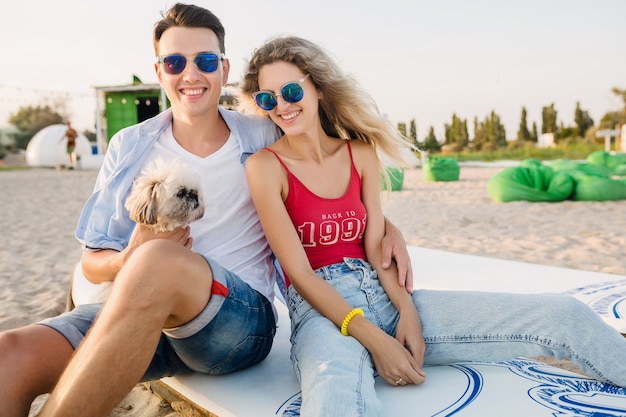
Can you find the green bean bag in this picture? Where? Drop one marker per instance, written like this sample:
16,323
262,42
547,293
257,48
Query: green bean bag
614,162
590,188
620,170
441,169
580,169
593,180
530,183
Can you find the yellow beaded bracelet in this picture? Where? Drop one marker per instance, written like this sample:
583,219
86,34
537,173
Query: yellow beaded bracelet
349,317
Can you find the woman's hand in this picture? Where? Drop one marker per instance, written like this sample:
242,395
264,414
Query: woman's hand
395,364
409,334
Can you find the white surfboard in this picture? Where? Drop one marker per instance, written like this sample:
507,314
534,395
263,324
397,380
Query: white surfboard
518,387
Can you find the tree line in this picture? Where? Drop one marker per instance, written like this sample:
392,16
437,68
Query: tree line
490,134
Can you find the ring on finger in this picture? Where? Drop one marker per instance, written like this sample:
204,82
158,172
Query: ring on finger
398,381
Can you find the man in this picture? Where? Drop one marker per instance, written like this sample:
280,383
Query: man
195,299
70,143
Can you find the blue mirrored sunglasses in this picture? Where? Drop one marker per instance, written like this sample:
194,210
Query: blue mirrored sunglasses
205,61
291,92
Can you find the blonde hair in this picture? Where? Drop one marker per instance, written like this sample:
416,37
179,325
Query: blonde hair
346,110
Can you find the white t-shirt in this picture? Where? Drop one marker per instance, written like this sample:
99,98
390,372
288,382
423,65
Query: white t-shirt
230,231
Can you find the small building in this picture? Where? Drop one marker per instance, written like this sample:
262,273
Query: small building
121,106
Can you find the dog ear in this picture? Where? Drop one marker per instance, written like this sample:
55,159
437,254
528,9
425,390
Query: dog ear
142,203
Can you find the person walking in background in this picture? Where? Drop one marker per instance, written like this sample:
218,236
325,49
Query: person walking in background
317,193
70,144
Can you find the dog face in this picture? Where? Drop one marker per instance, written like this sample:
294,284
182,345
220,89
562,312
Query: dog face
166,196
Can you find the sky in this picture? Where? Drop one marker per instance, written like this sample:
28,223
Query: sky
422,60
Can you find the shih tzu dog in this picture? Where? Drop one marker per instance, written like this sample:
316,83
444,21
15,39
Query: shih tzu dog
167,195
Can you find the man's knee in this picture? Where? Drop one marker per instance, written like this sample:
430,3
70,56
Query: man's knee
35,351
165,265
31,366
160,254
11,343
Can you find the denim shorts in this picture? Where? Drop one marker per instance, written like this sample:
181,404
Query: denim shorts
233,332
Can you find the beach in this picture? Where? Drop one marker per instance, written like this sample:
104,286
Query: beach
458,216
40,208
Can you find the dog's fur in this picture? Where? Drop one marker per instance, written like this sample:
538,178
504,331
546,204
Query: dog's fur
166,196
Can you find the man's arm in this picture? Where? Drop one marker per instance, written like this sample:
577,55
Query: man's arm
103,265
394,248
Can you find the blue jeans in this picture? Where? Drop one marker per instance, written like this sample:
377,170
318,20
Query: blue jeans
231,333
336,373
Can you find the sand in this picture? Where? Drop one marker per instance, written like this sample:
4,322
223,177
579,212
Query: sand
40,208
458,216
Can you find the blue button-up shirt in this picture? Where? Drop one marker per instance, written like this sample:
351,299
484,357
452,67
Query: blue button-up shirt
105,222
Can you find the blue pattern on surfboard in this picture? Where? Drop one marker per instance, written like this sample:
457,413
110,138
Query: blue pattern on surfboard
562,392
291,407
570,394
606,299
475,383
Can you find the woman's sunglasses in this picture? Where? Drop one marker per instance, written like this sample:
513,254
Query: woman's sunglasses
291,92
175,64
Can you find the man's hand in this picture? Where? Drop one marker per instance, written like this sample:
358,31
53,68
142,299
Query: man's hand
103,265
394,248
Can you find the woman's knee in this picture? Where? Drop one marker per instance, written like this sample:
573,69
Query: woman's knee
565,305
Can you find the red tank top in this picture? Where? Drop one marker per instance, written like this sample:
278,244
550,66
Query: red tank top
329,228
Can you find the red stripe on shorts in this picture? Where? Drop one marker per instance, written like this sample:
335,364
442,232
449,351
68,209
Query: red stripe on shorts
219,289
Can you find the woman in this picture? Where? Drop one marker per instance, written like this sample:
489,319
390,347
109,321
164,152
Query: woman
317,192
